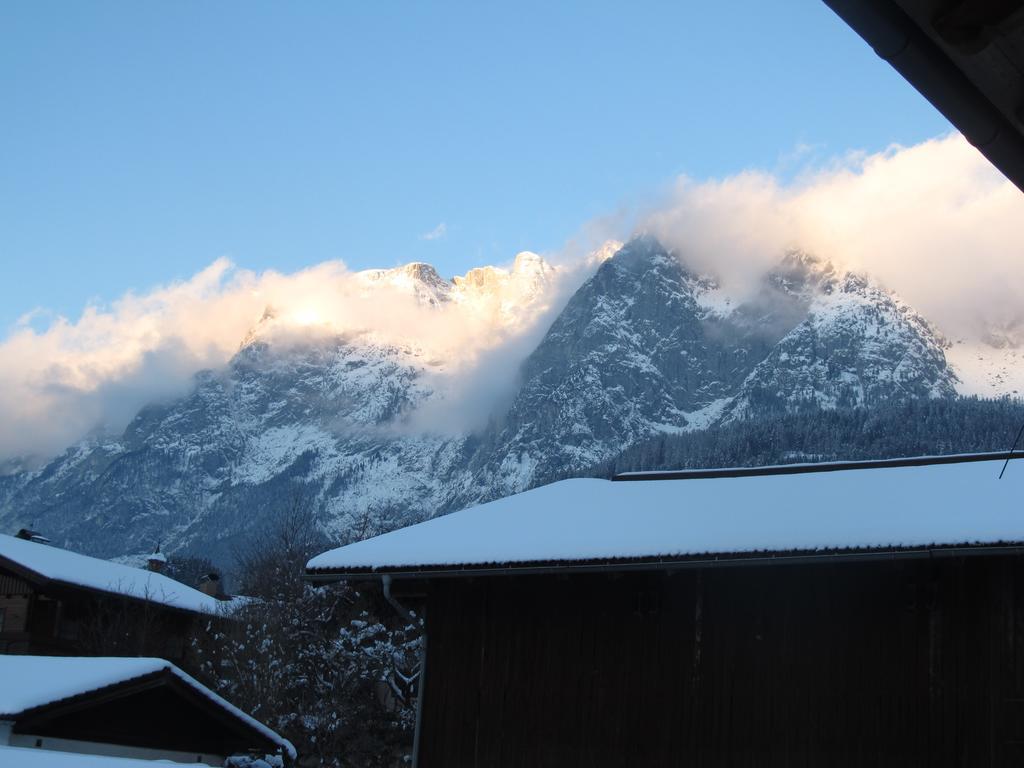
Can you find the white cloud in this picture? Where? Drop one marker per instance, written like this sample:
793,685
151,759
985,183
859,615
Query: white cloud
436,233
935,222
58,383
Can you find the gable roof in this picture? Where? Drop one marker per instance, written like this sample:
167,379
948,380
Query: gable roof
894,509
35,682
42,564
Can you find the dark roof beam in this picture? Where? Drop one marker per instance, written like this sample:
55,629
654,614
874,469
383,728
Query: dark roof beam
896,38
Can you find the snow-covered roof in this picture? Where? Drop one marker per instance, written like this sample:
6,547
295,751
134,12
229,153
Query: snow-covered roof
19,757
35,681
587,521
50,563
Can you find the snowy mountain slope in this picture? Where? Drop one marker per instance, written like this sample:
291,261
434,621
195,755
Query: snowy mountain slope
644,346
315,420
986,369
857,346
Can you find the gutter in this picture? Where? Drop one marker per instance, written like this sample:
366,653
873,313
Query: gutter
670,564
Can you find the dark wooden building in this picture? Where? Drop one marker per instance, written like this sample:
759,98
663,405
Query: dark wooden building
140,708
837,615
53,601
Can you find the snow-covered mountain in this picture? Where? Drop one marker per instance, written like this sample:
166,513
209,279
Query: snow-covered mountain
858,345
644,346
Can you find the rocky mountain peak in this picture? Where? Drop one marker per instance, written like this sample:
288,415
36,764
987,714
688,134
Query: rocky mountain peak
529,262
800,273
423,272
480,278
417,279
642,253
526,267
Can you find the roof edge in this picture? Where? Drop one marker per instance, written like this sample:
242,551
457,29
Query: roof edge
683,562
815,467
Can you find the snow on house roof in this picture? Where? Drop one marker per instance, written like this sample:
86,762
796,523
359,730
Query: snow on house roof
35,681
55,564
590,522
19,757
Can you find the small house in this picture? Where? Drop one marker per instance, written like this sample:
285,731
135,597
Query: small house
53,601
850,614
137,708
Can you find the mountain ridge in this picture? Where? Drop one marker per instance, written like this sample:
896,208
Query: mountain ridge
644,346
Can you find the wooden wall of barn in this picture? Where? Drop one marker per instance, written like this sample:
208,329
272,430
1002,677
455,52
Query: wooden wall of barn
895,663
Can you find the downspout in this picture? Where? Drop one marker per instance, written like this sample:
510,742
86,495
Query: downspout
406,614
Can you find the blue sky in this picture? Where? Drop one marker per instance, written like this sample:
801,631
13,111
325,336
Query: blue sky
141,140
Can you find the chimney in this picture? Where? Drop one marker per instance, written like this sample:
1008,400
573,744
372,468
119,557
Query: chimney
157,561
29,535
209,584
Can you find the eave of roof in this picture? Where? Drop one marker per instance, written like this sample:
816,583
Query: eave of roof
683,562
53,568
44,583
961,85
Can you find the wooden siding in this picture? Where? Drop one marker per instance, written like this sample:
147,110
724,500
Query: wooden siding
15,613
884,664
63,620
13,585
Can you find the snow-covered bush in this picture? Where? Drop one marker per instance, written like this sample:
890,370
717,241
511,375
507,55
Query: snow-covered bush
267,761
331,668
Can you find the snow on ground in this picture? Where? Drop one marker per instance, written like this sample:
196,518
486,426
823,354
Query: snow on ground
985,370
32,681
72,568
586,519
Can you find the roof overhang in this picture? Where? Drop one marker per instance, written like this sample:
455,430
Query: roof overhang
965,56
743,559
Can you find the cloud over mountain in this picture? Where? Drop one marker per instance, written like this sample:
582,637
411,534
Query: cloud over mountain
59,383
935,222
